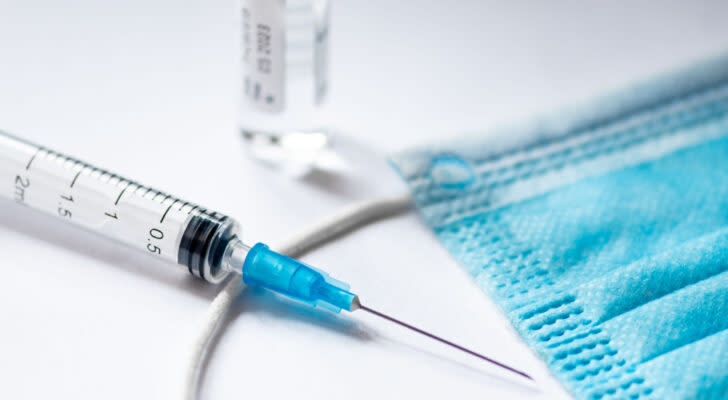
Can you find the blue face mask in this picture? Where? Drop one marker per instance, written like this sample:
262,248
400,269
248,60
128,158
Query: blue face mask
602,232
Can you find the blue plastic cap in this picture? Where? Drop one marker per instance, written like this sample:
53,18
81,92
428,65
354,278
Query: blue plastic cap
264,267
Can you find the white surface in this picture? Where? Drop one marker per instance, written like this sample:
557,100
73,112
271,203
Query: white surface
115,82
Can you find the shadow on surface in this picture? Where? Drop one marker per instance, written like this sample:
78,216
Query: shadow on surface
504,378
347,168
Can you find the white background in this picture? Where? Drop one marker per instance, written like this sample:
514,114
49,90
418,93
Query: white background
148,89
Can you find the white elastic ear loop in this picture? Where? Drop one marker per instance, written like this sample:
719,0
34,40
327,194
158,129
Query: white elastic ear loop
349,218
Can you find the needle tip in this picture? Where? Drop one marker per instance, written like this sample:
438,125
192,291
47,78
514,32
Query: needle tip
356,304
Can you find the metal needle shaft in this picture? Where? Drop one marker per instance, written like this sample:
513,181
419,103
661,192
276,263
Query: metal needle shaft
441,340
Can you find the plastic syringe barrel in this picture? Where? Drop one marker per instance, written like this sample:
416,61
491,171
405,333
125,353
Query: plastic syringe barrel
161,225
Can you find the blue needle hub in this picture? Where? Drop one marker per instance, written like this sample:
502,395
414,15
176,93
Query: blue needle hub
264,267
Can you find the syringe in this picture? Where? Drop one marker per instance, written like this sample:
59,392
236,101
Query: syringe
162,225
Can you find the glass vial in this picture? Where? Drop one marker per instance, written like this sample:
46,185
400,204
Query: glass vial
284,65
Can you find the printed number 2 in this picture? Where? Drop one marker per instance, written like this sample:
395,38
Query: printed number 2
21,184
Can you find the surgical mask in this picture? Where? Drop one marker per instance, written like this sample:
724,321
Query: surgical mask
602,233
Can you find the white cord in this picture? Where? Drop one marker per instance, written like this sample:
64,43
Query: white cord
347,219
